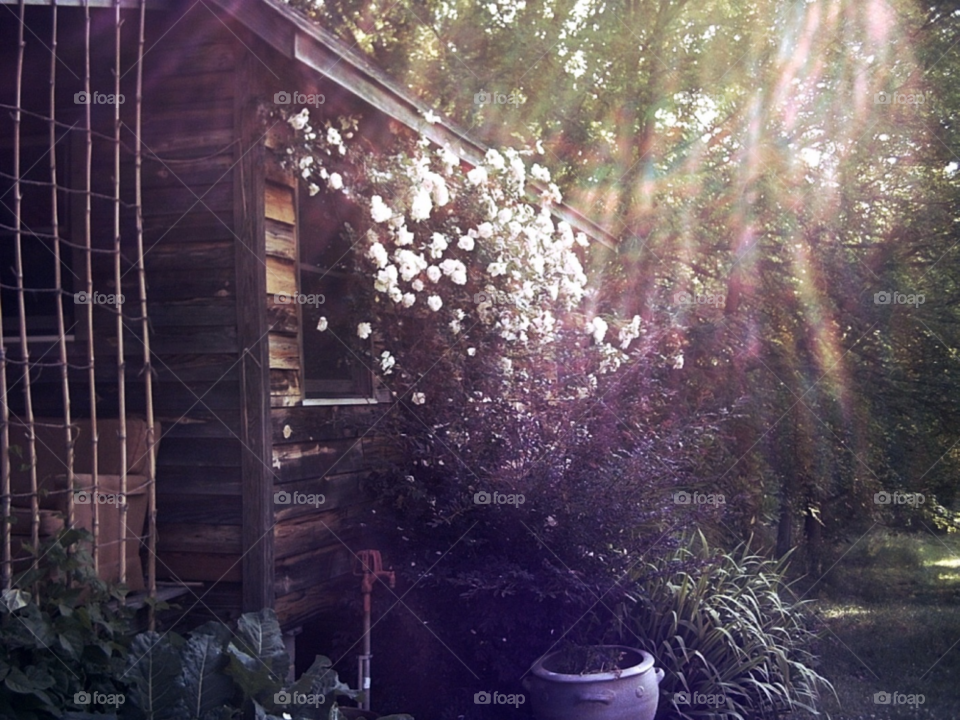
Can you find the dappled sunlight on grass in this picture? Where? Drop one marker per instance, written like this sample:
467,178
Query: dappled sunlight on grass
844,611
893,625
950,563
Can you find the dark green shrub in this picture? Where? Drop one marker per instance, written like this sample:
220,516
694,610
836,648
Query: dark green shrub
65,638
723,628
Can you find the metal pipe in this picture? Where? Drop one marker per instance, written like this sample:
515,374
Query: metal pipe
373,570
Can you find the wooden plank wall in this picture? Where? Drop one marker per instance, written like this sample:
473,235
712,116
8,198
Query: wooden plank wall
316,449
191,232
280,210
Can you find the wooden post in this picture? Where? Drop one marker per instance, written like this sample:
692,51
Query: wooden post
251,291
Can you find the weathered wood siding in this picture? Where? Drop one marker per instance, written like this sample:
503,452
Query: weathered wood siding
191,232
210,204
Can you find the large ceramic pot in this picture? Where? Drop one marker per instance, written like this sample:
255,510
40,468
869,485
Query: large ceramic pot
630,694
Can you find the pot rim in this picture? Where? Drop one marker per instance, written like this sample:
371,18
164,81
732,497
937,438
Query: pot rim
645,665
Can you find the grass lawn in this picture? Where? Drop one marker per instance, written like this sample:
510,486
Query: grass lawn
891,606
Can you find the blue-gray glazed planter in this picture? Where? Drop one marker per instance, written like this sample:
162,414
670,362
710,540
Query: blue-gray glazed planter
630,694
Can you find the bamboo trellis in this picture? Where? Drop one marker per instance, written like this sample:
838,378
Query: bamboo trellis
74,359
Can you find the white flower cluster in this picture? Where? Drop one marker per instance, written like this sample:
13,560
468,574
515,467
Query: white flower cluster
309,165
524,262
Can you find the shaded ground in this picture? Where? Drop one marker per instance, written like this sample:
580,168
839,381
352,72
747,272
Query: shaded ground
891,606
892,609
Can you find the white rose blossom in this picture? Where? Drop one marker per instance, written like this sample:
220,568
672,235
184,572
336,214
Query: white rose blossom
299,121
364,330
540,173
322,324
404,236
438,243
494,160
421,206
477,176
418,398
598,328
378,210
378,253
387,361
434,302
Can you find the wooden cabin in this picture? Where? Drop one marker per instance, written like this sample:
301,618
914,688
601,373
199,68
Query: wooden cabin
172,199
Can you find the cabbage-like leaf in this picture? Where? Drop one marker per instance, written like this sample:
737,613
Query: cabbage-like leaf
206,687
153,675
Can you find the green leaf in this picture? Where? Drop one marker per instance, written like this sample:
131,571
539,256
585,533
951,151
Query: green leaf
258,657
154,676
14,599
321,679
203,659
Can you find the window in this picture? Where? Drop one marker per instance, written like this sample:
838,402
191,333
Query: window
331,370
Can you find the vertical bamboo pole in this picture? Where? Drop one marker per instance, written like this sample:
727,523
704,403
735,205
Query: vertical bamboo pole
6,567
21,303
87,240
58,280
118,309
7,564
144,325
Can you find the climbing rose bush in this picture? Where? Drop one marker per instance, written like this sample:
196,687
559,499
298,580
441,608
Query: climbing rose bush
465,254
509,377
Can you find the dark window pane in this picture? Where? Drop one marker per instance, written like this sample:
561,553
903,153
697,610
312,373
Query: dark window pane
330,369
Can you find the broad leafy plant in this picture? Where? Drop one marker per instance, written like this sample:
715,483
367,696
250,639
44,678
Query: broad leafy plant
723,626
215,673
62,632
67,650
